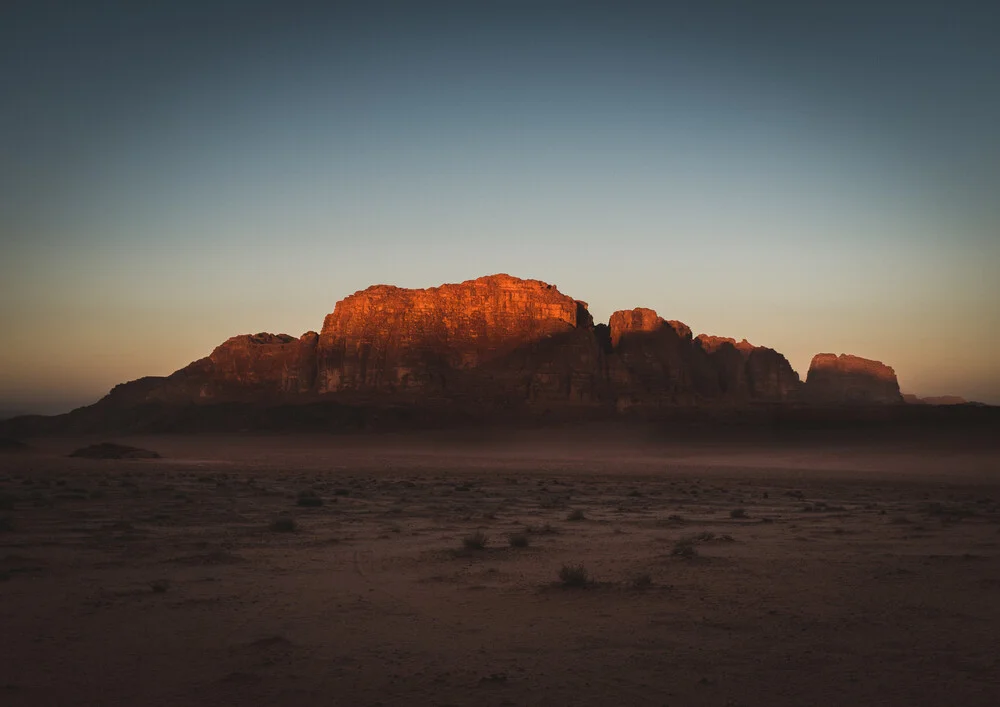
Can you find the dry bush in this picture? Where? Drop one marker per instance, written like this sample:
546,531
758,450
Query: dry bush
573,576
475,541
685,548
642,581
309,499
518,540
575,514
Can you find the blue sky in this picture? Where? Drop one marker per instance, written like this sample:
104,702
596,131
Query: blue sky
810,179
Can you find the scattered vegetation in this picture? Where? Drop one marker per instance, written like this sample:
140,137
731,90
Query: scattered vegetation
573,576
738,513
6,526
576,514
284,524
475,541
518,540
309,499
547,529
160,585
684,548
642,581
7,501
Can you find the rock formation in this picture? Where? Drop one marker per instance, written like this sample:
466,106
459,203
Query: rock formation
934,400
653,360
847,379
388,339
498,343
746,372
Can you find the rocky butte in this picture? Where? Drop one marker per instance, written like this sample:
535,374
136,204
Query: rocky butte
496,343
847,379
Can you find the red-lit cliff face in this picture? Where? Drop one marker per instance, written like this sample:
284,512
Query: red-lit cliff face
247,367
388,339
847,379
502,342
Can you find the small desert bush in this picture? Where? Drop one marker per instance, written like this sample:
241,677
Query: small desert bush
7,501
573,576
309,499
6,525
643,580
475,541
160,586
518,540
547,529
284,524
685,548
738,513
576,514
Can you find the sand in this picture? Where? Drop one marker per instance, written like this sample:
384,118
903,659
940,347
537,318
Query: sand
764,575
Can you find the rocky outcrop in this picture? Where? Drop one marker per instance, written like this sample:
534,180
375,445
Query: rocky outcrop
246,367
275,363
934,400
498,343
750,373
495,336
847,379
652,360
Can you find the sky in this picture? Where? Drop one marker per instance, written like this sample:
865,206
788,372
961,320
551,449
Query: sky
814,177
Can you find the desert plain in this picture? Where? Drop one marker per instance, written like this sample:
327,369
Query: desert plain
429,570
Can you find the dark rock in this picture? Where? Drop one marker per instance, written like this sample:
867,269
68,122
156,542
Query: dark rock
847,379
109,450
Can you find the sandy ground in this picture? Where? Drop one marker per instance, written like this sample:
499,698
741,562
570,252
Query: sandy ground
806,575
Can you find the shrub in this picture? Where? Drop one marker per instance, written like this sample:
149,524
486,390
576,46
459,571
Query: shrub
475,541
576,514
284,524
643,580
309,499
160,585
6,525
518,540
573,576
685,548
738,513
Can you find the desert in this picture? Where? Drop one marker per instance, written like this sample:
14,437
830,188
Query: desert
530,567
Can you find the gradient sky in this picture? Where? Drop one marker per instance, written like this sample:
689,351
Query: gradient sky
810,178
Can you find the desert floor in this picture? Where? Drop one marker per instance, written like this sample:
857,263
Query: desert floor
766,575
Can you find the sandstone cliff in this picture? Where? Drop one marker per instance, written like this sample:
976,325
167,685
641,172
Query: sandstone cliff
495,336
500,343
746,372
847,379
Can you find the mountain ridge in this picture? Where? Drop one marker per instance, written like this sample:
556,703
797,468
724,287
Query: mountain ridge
499,343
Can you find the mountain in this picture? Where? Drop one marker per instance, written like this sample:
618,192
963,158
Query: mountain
936,400
494,345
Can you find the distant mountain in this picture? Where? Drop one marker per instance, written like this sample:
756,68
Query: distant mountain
498,344
937,400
